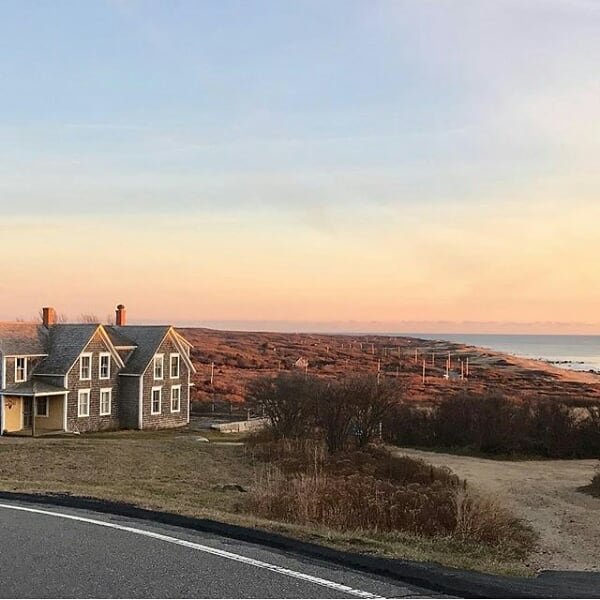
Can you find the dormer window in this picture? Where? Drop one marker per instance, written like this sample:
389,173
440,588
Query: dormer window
159,360
85,367
20,369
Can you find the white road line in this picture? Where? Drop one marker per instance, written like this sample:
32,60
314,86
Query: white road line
202,548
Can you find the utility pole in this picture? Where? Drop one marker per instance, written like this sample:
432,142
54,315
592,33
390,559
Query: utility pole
212,373
433,359
423,371
467,367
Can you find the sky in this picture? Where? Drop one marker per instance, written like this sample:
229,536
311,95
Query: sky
407,165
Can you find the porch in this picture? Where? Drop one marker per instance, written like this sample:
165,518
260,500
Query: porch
33,408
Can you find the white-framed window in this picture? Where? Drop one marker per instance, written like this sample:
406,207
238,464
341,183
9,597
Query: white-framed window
20,369
41,407
174,366
83,403
155,401
175,398
105,401
85,366
104,366
159,360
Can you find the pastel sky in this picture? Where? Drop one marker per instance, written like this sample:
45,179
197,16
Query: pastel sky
342,164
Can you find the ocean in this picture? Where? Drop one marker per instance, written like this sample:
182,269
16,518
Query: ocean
578,352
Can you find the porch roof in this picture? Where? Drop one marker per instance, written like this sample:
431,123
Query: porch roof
33,388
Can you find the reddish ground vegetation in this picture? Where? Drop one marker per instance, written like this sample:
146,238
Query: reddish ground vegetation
240,357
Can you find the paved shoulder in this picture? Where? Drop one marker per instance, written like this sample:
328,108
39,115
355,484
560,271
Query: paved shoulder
57,552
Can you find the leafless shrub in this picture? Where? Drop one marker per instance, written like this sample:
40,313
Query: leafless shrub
493,424
483,518
287,401
347,412
371,490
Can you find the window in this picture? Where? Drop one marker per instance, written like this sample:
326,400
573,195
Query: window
20,369
156,399
104,366
105,401
158,366
83,403
85,367
41,407
174,366
176,398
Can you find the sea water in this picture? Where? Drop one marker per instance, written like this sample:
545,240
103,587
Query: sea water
579,352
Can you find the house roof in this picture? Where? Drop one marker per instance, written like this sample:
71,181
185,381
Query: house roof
65,344
62,344
117,337
33,387
22,339
147,338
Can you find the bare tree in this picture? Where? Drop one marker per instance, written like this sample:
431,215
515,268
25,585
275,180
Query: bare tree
286,400
88,318
333,415
370,402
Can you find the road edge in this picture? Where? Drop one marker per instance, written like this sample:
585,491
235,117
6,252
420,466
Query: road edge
434,577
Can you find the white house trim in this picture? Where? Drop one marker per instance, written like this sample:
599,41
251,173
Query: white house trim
2,396
109,392
188,399
158,359
173,389
141,404
25,368
156,388
171,357
81,357
87,391
100,357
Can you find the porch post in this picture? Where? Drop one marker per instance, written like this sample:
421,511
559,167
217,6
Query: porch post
65,403
33,413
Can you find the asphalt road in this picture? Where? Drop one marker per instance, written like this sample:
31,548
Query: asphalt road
48,552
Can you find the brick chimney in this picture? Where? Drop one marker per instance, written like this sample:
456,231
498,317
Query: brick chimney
48,316
121,316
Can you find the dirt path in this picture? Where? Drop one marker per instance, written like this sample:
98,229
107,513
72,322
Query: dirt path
545,494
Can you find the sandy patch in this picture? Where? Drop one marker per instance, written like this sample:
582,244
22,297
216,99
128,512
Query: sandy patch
544,493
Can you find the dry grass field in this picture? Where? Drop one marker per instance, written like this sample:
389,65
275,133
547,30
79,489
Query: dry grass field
174,472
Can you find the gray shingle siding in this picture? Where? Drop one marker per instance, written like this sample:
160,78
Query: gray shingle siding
95,421
166,418
60,348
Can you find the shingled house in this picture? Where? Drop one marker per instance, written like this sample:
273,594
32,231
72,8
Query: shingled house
92,377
